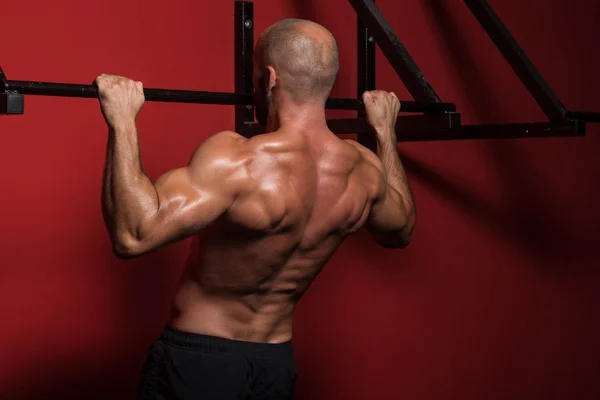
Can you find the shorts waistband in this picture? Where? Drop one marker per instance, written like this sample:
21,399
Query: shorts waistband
220,345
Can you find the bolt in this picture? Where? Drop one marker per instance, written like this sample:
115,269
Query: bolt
248,107
248,24
370,39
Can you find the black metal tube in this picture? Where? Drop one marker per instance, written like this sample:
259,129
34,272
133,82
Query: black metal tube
365,68
190,96
499,131
584,116
393,49
407,106
244,47
421,124
518,60
162,95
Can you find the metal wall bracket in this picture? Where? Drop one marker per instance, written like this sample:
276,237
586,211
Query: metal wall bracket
365,78
244,44
443,115
372,28
562,122
12,103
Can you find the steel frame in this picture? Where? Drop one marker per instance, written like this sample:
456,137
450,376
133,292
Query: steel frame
372,28
438,121
562,122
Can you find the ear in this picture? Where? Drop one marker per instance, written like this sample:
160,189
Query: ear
270,78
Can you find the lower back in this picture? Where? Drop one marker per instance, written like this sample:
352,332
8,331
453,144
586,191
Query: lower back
231,316
246,292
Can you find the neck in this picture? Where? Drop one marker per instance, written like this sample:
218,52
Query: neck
298,118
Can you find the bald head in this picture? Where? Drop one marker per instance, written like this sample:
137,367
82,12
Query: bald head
304,56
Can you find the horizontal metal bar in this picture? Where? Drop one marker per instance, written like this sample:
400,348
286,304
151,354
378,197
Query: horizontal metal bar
190,96
411,123
500,131
584,116
407,106
516,57
407,123
162,95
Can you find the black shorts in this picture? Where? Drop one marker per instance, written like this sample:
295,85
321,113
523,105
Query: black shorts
186,366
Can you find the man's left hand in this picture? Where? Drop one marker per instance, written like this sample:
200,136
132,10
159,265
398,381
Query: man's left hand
121,99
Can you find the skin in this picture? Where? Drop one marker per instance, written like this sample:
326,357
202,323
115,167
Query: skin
266,212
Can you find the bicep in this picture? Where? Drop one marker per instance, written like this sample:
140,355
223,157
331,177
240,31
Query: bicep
387,212
388,218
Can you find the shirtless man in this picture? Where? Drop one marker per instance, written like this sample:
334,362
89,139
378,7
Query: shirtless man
272,209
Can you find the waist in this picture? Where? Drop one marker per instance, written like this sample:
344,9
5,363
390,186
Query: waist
219,345
230,316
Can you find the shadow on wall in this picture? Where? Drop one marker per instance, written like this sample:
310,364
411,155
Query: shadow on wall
527,219
523,222
106,365
146,287
472,78
74,378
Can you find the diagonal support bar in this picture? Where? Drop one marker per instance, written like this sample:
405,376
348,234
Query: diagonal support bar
394,50
516,57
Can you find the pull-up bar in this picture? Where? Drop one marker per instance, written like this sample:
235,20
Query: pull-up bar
439,122
19,88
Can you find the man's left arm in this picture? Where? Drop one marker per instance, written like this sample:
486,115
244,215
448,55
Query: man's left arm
140,215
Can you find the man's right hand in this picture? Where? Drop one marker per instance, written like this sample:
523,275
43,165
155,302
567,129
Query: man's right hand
382,110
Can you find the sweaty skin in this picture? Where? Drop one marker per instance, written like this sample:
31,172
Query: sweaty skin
266,212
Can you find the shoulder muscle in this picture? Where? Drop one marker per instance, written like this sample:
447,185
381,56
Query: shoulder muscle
367,155
220,160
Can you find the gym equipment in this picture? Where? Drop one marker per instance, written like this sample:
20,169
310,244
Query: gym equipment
14,90
438,120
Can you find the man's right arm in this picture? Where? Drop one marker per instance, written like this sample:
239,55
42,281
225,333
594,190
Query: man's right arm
392,216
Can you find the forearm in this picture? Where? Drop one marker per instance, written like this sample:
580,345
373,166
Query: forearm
129,196
396,176
107,204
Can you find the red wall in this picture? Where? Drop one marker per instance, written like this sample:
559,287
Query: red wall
496,298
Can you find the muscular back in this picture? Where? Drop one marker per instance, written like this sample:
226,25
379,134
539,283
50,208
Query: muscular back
305,194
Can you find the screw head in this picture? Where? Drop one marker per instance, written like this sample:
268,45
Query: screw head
248,24
370,39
